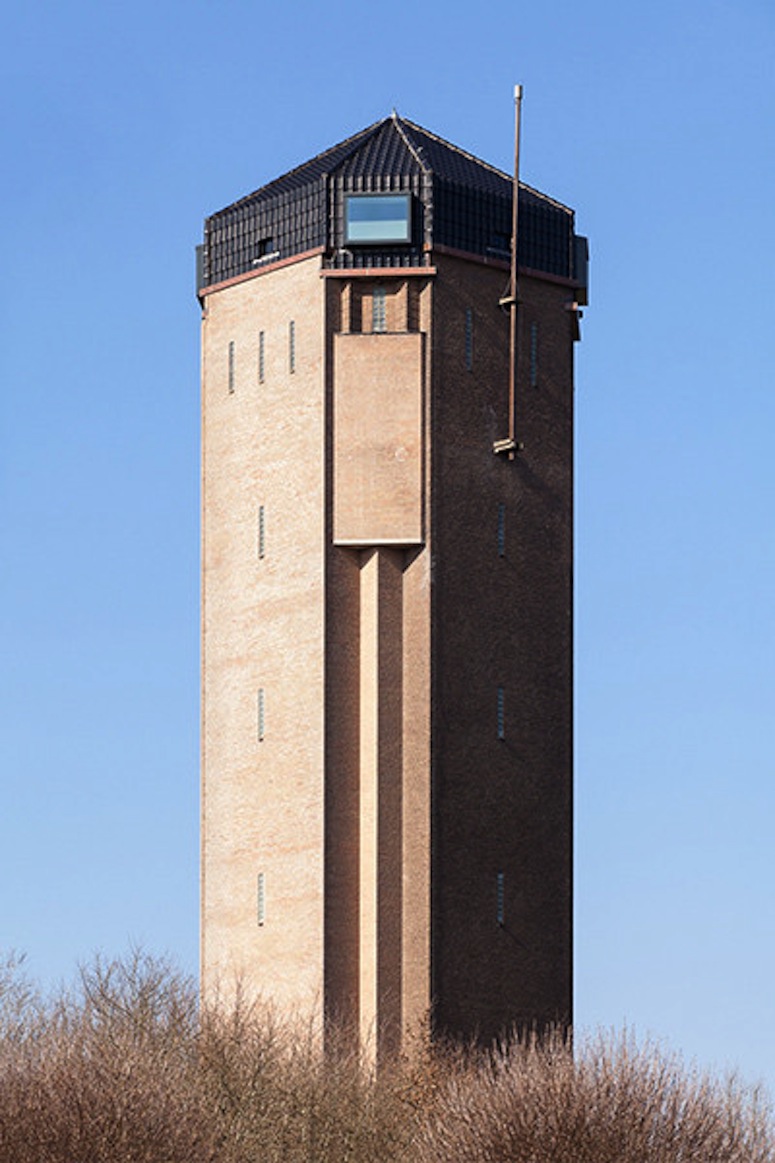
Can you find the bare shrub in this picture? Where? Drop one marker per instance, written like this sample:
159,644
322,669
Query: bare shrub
21,1006
127,1069
607,1101
107,1075
278,1099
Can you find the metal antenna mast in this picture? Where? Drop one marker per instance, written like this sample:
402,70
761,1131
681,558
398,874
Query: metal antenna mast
511,301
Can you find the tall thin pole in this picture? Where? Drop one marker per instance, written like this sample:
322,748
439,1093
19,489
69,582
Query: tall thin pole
513,289
511,301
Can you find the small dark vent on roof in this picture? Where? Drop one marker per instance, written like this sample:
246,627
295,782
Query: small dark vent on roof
456,201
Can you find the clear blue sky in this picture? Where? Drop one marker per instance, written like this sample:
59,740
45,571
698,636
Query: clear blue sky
122,126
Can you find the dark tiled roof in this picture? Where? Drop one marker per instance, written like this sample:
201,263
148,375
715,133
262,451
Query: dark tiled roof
453,164
385,153
317,167
460,201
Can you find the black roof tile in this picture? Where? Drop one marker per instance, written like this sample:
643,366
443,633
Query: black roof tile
385,152
461,202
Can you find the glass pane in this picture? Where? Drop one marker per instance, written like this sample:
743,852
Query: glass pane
377,218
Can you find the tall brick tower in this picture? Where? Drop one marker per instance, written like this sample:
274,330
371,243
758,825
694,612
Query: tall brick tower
386,618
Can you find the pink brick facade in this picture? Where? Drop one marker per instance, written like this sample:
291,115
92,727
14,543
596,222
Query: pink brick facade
387,702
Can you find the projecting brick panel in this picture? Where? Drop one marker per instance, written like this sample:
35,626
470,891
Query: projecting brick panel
262,631
378,424
405,930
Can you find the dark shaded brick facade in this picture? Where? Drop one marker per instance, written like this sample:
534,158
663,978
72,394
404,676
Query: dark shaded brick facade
501,608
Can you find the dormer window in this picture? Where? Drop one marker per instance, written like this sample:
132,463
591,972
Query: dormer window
265,252
377,218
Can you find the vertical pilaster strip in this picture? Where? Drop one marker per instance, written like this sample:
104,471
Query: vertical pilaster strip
380,800
368,798
390,861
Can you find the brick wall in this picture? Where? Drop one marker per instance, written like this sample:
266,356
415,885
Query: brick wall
263,630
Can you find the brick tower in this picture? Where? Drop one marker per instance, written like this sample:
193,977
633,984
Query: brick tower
386,612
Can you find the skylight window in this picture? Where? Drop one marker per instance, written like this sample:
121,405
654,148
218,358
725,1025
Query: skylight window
380,218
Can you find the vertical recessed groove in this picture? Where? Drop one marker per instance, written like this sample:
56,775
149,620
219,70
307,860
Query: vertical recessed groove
533,355
261,533
261,898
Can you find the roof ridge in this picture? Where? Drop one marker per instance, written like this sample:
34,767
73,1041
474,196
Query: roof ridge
487,165
353,141
544,197
406,129
457,149
415,150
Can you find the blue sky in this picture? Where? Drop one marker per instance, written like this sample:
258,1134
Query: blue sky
122,126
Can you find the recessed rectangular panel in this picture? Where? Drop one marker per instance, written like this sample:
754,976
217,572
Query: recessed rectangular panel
378,404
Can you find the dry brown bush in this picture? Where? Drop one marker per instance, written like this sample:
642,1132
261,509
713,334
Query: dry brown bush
604,1101
278,1099
107,1074
126,1069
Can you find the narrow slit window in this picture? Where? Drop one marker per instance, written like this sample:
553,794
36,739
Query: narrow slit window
469,339
533,355
292,346
261,898
261,533
231,365
261,716
501,713
500,898
261,366
501,530
378,310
